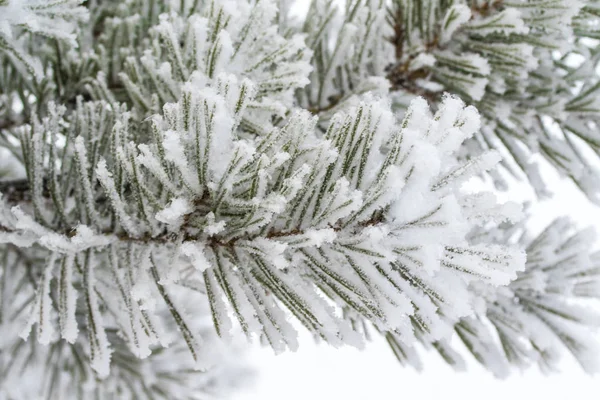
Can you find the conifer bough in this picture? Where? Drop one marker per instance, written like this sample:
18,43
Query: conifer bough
176,172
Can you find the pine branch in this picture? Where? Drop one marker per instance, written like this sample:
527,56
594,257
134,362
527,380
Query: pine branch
246,208
535,318
484,52
193,169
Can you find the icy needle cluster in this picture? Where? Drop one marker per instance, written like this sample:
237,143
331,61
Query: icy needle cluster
191,169
548,309
528,67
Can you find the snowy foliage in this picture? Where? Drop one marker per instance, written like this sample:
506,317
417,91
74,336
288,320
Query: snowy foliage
259,221
20,19
350,56
190,169
528,67
59,369
549,308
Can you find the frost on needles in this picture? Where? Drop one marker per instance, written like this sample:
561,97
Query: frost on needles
191,169
528,67
529,321
263,223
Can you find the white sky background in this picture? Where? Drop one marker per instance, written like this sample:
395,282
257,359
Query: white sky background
321,372
325,373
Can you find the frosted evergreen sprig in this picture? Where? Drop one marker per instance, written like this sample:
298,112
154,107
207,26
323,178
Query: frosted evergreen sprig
350,56
191,168
230,211
204,39
56,19
528,67
548,310
46,367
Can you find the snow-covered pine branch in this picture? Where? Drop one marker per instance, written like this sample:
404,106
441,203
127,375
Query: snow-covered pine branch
528,67
238,39
21,21
265,221
60,369
548,309
350,56
194,168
